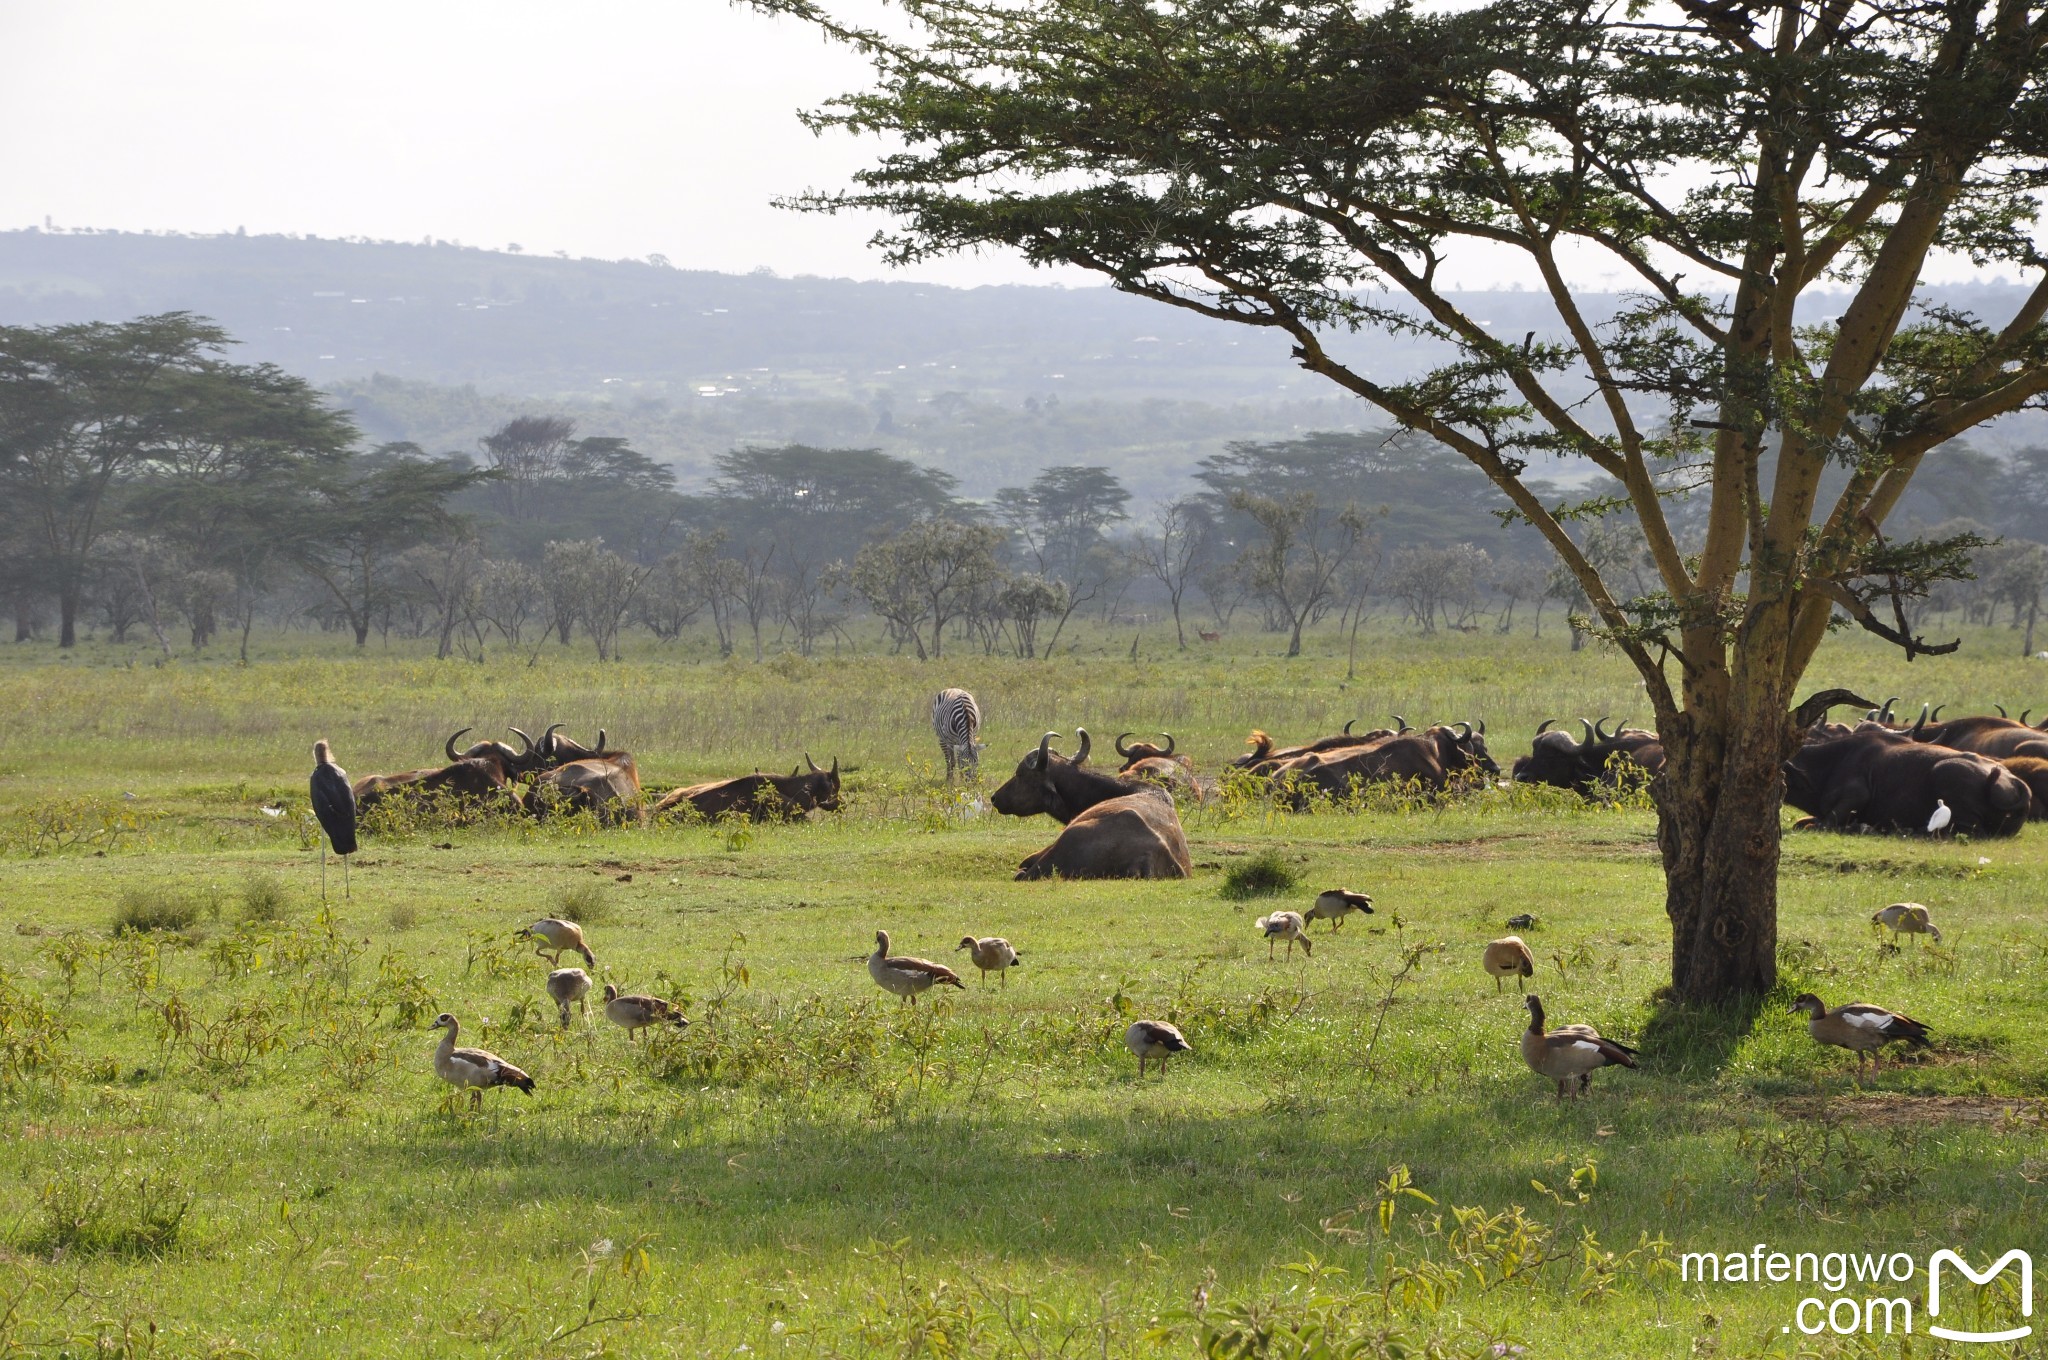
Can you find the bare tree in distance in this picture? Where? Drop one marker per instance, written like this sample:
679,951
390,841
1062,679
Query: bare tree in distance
1172,553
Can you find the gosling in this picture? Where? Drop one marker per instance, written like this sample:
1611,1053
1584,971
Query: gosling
558,937
1333,906
478,1069
1509,958
1155,1039
635,1013
568,985
1907,918
991,954
901,975
1288,926
1569,1051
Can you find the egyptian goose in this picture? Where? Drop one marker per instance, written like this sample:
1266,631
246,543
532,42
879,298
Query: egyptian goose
1288,926
568,985
1907,918
903,976
1155,1039
1333,906
558,937
476,1068
1509,958
1859,1027
991,954
636,1013
1569,1051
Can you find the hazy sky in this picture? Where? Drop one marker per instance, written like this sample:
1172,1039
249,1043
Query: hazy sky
611,128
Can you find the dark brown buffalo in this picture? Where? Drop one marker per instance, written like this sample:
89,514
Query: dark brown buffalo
2033,772
461,777
1602,760
1994,737
607,785
760,797
1432,758
559,750
1115,828
1887,781
514,763
1159,765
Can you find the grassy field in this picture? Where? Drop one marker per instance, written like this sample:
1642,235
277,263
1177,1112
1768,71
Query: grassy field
224,1137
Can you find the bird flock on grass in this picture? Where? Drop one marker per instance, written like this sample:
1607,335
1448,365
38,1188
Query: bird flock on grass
1567,1055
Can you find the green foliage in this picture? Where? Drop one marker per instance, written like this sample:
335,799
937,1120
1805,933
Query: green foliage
1265,874
265,899
143,910
587,904
130,1211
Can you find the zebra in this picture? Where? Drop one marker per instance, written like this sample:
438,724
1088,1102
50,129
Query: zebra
956,721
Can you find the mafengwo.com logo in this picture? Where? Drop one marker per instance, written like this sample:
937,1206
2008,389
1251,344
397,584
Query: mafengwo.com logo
1874,1293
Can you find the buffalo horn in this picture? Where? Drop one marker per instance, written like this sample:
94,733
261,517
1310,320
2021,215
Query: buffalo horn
1169,742
1119,744
1885,714
1043,743
600,741
1937,712
1599,723
1544,726
523,737
547,738
1587,740
1081,755
450,747
1400,723
1919,723
812,763
1347,726
1482,727
1463,729
2001,711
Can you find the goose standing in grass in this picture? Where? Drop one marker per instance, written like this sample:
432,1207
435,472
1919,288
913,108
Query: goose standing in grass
558,937
1155,1039
1569,1051
1288,926
991,954
567,985
479,1069
1333,906
903,976
635,1013
1509,958
1907,918
1859,1027
334,805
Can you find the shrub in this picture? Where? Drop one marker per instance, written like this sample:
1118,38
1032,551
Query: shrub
265,899
143,910
587,904
1265,874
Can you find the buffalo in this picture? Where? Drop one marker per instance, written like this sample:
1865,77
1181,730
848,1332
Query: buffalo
514,763
1263,759
1159,765
1432,759
1115,828
1887,781
1602,759
464,778
761,797
1998,738
606,785
2033,772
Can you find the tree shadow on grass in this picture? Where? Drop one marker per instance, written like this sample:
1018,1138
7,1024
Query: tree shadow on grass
1696,1042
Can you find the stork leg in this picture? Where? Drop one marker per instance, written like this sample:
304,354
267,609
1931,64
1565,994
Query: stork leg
344,877
323,873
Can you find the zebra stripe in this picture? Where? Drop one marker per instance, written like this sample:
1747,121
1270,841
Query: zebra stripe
956,721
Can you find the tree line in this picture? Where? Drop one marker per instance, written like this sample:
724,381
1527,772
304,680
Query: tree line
150,483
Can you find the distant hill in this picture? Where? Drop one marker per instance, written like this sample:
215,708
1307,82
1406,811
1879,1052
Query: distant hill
438,342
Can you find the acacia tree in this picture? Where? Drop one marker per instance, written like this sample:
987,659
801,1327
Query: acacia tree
1317,167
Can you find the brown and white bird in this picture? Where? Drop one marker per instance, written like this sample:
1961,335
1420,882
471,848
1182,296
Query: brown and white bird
567,985
901,975
1155,1039
1337,903
1907,918
558,937
991,954
1288,926
478,1069
1509,958
1859,1027
635,1013
1569,1052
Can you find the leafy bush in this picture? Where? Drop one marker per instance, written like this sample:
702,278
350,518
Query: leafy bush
587,904
142,911
265,899
1265,874
128,1213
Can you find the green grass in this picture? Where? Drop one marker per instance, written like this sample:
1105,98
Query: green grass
225,1137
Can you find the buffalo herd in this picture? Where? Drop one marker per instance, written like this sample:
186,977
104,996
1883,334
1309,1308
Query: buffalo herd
1984,776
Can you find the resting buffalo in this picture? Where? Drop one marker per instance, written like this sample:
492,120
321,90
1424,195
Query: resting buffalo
462,777
1263,759
2033,772
761,797
514,763
1889,782
1603,759
1115,828
607,785
1432,758
1994,737
1159,765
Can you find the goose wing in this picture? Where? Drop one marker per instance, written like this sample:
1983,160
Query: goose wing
481,1067
937,972
1865,1019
